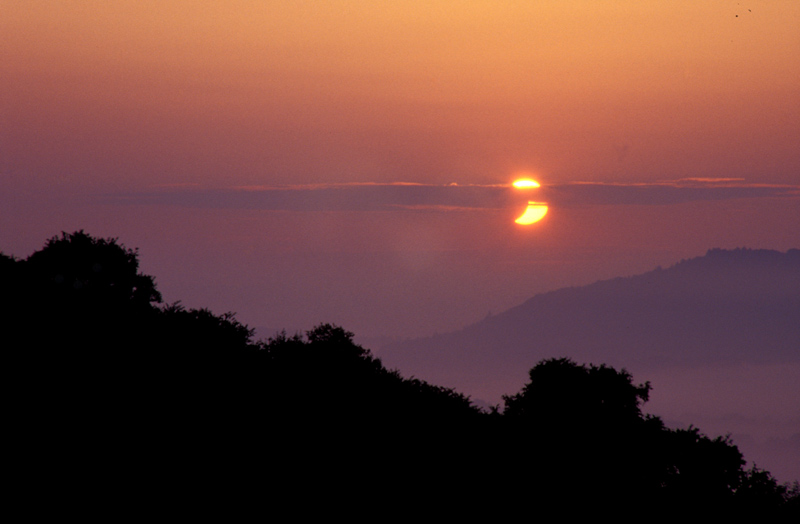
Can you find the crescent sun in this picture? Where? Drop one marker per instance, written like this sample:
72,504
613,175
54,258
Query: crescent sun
533,213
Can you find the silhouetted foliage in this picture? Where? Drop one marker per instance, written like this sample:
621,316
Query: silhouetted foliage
93,270
78,290
330,374
585,422
94,353
563,392
757,489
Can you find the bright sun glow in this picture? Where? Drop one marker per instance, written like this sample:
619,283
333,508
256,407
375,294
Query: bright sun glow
533,213
535,210
524,183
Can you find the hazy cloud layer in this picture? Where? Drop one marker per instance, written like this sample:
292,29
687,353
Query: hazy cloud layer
383,197
673,192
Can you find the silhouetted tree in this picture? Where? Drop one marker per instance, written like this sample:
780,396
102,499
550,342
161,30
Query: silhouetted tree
99,363
79,291
701,473
560,391
756,489
94,270
580,427
331,375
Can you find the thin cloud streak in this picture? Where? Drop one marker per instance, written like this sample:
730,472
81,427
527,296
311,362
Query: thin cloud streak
331,197
661,193
451,197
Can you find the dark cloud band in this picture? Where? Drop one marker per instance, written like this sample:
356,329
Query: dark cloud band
383,197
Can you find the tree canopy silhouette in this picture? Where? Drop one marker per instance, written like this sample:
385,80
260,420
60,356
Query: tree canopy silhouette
584,423
562,392
94,351
92,270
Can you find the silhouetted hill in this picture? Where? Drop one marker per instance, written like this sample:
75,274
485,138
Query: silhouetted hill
112,390
731,306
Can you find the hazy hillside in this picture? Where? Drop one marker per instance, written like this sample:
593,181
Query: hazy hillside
707,332
727,306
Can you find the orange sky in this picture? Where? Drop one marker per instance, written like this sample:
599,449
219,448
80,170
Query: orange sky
125,93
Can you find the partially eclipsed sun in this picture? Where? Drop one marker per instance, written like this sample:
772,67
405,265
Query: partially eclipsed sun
533,213
525,183
535,210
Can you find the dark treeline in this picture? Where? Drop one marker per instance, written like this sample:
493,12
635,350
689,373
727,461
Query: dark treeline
111,387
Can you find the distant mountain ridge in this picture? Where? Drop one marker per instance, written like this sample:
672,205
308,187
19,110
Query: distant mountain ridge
732,306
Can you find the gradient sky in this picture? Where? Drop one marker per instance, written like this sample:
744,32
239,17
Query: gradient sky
294,161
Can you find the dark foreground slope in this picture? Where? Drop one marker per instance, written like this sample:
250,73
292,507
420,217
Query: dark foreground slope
739,306
120,405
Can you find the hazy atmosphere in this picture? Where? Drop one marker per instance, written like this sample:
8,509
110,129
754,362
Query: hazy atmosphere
351,162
